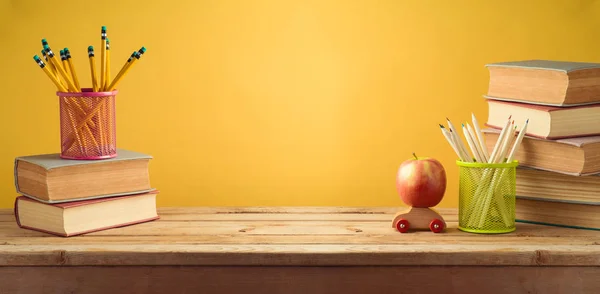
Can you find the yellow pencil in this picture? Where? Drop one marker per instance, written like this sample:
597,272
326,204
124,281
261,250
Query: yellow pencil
72,67
82,109
106,107
63,59
49,74
125,66
107,79
117,79
52,69
112,86
103,58
60,88
72,120
48,63
79,106
62,72
93,68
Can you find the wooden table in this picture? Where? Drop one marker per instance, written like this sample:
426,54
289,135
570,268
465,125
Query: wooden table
296,250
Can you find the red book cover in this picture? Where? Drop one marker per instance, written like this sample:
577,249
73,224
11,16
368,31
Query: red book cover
67,205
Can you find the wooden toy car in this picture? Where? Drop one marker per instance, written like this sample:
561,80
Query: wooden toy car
417,218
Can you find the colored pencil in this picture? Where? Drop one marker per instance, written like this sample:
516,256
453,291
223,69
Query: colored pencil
448,137
480,137
497,146
458,141
518,141
471,144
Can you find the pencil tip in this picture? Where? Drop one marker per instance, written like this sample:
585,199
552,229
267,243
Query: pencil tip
463,125
441,126
510,117
447,118
527,121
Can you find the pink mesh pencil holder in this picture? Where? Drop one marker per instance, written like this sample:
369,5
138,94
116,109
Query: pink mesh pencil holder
87,124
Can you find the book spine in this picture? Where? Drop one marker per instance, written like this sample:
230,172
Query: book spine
16,177
16,205
18,220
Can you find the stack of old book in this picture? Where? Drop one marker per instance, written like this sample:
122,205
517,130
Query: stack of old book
558,179
68,197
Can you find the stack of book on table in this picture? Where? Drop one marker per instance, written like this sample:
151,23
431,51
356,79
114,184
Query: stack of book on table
558,178
68,197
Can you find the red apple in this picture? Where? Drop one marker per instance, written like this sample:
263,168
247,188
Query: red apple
421,182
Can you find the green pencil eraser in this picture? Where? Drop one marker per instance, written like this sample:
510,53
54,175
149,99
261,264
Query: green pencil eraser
143,49
66,49
62,52
44,41
43,52
46,47
90,48
36,58
104,28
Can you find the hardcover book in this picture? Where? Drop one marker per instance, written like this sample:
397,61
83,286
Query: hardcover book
562,214
535,184
81,217
573,156
546,82
51,179
547,122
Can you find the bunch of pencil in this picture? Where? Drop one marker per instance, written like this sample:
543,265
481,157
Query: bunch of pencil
90,118
489,181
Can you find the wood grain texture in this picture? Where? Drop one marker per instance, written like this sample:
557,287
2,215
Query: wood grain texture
294,236
299,280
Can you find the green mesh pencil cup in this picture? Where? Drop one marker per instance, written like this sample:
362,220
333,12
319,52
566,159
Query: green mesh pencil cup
486,199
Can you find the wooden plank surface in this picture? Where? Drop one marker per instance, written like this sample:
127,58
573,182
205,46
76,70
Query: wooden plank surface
299,280
282,236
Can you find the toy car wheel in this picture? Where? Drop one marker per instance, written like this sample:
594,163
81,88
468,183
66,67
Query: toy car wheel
402,225
436,225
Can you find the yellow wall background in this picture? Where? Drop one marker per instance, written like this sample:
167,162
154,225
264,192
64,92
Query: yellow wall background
273,102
